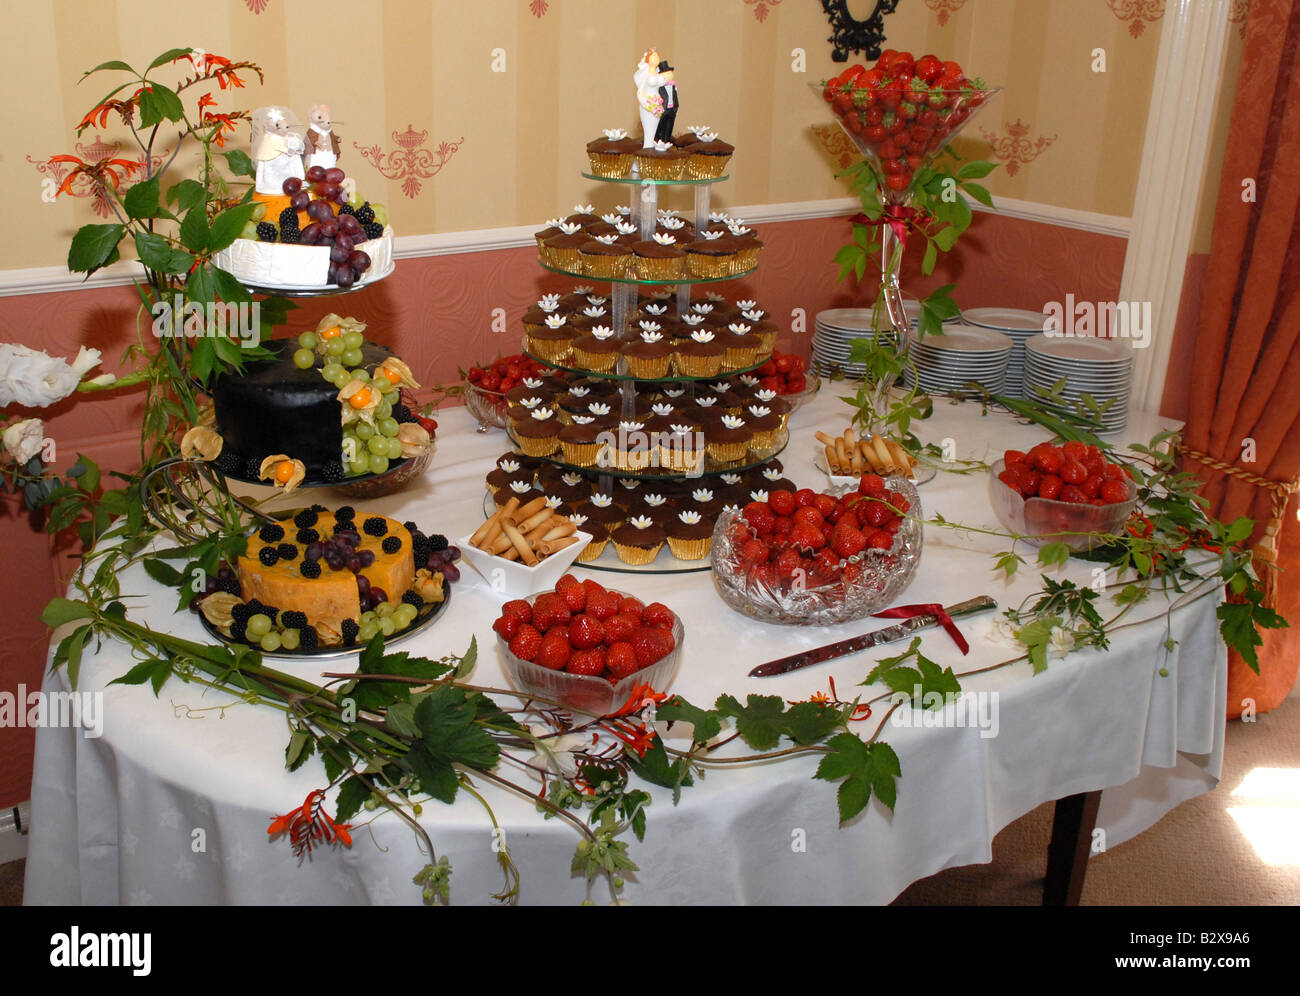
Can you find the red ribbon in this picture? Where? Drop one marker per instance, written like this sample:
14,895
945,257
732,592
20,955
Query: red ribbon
928,609
896,216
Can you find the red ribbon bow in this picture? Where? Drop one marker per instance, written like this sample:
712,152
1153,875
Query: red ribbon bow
928,609
896,216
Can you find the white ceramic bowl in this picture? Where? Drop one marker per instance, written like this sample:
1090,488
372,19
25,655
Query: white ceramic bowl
513,579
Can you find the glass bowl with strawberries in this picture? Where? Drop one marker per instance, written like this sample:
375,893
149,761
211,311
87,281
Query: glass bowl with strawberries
810,559
788,376
1069,493
586,647
487,384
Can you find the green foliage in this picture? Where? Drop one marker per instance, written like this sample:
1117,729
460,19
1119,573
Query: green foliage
861,769
904,680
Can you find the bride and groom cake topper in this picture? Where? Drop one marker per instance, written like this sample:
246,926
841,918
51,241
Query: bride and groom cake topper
656,97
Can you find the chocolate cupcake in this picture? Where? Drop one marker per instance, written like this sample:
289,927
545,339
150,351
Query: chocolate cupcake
742,347
535,317
682,449
523,490
553,341
538,435
703,498
659,258
632,450
597,350
690,535
766,425
548,231
661,161
599,537
601,508
610,156
708,157
561,251
638,541
604,257
711,255
650,355
573,487
748,248
583,216
729,441
774,401
580,442
506,473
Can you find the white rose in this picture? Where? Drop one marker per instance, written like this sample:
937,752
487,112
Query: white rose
24,440
34,379
1061,642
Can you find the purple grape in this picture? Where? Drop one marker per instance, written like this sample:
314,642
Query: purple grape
378,595
300,200
313,552
319,210
210,585
329,227
451,572
334,175
339,255
354,565
363,584
351,537
330,191
292,185
367,557
346,276
310,235
359,261
452,553
435,561
316,174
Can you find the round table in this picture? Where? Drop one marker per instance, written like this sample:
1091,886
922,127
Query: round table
171,804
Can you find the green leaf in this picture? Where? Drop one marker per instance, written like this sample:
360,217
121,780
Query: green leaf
65,610
93,247
141,200
929,259
946,237
1053,553
446,720
979,192
707,724
112,64
809,722
194,228
240,163
201,289
68,652
157,254
187,194
759,722
171,55
300,747
400,718
467,662
864,767
1238,530
228,224
162,572
654,767
352,796
162,102
975,170
437,777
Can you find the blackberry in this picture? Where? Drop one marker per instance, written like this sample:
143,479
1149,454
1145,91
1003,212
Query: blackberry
412,597
347,512
271,533
287,551
241,612
310,569
332,472
318,508
307,638
365,214
401,413
268,556
266,231
410,526
374,230
420,549
437,542
350,630
253,469
305,519
290,236
347,209
375,526
290,619
307,536
230,585
239,630
391,544
254,607
228,462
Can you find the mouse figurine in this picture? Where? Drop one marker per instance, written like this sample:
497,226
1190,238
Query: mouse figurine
322,143
277,148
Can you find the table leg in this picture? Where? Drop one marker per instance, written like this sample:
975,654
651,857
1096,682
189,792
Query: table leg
1067,854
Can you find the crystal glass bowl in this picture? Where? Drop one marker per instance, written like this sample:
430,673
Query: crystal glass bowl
1045,520
879,577
488,407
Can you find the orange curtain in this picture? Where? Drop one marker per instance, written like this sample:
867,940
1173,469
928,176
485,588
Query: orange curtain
1247,358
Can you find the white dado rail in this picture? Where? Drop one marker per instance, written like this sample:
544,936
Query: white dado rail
50,279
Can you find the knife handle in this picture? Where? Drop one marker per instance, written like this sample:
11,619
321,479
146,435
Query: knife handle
982,603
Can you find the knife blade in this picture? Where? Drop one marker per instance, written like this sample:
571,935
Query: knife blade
876,638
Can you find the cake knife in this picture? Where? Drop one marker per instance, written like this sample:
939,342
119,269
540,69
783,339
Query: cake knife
889,634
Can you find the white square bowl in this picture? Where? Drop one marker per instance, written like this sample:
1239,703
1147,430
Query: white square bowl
513,578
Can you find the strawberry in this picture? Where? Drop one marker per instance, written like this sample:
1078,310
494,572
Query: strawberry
880,540
555,650
782,502
825,504
873,514
788,561
808,516
526,643
621,626
571,590
621,660
507,626
753,551
594,587
784,524
658,614
650,645
549,610
585,631
760,517
847,541
589,662
804,497
899,501
870,483
601,604
518,607
632,606
808,536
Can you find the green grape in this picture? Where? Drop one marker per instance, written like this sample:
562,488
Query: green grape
364,431
334,347
304,359
367,631
394,449
388,626
271,642
388,427
384,609
381,213
400,622
352,357
341,379
406,611
289,639
377,445
353,340
369,616
392,396
359,466
309,340
249,231
378,464
361,375
330,370
259,211
383,410
259,625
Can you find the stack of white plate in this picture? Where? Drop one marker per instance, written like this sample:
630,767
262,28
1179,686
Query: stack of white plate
1018,324
833,336
1101,368
963,353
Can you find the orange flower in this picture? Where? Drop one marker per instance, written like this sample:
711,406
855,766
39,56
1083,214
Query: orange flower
637,738
309,826
206,101
641,696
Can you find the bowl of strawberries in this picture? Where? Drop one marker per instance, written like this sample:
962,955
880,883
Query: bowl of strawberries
487,384
788,376
586,647
1069,493
812,559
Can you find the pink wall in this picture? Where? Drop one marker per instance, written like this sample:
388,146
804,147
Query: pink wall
436,312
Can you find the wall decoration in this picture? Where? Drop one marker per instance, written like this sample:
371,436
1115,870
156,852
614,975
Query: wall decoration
1238,15
762,8
257,6
1137,13
409,162
850,34
842,152
943,9
539,8
1015,148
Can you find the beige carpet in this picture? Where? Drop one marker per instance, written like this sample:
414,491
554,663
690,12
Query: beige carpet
1198,855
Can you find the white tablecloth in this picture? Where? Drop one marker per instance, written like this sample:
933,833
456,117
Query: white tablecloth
172,803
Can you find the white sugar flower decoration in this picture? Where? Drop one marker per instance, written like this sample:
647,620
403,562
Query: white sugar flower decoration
771,473
733,421
519,487
656,309
607,240
754,314
629,483
542,414
681,430
555,321
630,426
549,302
595,299
34,379
612,218
673,223
662,408
702,335
624,210
749,380
578,520
509,466
553,222
674,392
715,297
707,136
767,394
571,479
740,328
711,236
708,401
689,518
641,521
583,209
663,146
702,494
739,230
696,129
648,326
601,332
614,134
625,227
532,382
718,216
601,500
664,239
719,386
531,402
654,501
746,304
598,408
577,390
759,411
583,289
554,501
583,419
692,319
570,227
730,479
593,311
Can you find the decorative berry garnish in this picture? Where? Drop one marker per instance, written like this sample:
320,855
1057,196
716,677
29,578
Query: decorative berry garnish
420,548
375,526
228,583
305,519
239,630
391,544
412,597
291,619
350,630
266,231
437,542
310,569
271,533
410,526
347,209
228,461
307,638
241,612
332,472
308,536
401,413
268,556
374,230
366,214
287,551
253,468
346,513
